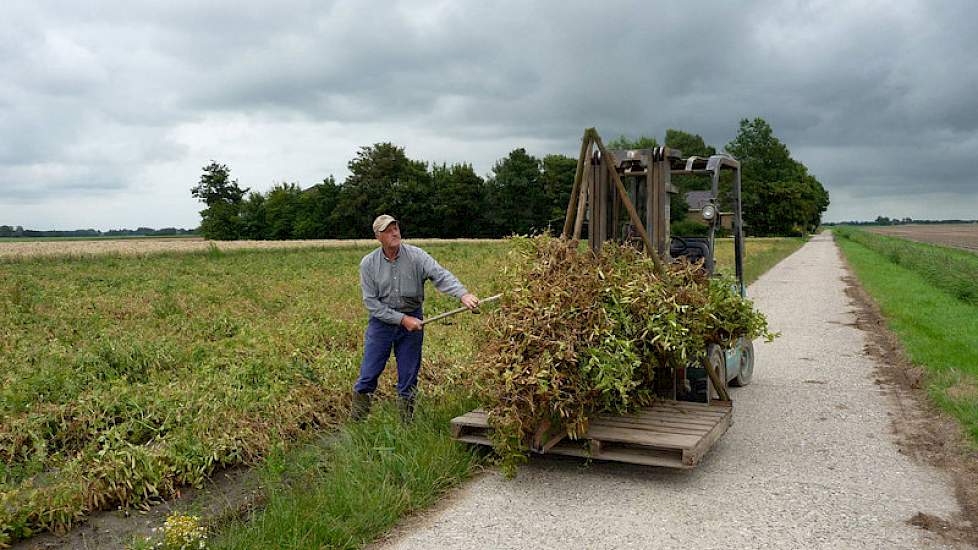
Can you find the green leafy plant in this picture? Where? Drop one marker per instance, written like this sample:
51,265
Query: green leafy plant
583,334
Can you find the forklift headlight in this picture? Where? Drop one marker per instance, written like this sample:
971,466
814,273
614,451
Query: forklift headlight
709,212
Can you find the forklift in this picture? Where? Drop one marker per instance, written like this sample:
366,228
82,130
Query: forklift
646,176
624,196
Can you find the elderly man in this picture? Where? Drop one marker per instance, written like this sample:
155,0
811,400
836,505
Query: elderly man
392,279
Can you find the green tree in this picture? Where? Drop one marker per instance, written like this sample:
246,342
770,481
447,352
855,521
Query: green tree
458,202
557,179
689,144
518,202
642,142
223,197
780,197
381,176
282,206
252,214
317,206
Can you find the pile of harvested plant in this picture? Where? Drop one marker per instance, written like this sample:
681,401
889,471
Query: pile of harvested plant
582,334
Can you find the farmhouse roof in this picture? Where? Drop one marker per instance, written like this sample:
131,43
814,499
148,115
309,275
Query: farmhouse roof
698,199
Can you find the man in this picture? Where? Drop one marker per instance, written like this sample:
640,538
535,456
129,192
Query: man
392,280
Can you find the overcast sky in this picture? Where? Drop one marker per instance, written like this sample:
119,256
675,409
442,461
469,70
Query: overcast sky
108,110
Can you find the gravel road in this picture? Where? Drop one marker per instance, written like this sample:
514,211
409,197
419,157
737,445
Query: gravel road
810,462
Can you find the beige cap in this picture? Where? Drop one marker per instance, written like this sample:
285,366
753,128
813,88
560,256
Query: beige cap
382,221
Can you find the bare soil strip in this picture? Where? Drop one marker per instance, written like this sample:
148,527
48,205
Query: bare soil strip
964,236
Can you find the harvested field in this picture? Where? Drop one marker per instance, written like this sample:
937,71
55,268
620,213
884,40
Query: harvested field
141,247
963,235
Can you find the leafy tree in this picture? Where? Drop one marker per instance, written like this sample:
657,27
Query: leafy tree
223,197
518,202
253,220
688,144
458,202
317,206
282,206
642,142
379,177
558,182
780,197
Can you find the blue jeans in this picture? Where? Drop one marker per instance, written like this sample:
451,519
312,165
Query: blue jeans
377,343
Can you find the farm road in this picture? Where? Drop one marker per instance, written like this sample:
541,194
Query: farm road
810,462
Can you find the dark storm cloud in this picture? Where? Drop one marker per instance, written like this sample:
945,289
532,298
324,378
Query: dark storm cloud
876,98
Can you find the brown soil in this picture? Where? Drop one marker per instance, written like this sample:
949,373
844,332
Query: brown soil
922,431
962,235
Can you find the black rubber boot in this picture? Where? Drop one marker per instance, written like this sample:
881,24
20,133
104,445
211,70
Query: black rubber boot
405,406
361,406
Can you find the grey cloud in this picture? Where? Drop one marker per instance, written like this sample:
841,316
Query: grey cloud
874,98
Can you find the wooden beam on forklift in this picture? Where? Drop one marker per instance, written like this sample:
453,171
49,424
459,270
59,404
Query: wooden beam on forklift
609,161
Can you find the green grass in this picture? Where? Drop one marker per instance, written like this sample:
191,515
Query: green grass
938,330
122,379
952,270
360,483
760,255
125,378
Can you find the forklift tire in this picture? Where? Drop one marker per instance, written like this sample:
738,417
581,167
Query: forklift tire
746,371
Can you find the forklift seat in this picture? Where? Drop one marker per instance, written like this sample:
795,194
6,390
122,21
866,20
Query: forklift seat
694,249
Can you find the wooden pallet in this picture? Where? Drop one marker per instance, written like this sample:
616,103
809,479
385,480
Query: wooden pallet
674,434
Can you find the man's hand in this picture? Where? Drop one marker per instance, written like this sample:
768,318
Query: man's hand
411,323
470,301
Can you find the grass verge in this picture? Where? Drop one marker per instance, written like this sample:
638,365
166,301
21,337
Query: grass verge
760,255
937,329
952,270
343,493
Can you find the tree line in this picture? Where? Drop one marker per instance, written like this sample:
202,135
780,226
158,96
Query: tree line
9,231
523,194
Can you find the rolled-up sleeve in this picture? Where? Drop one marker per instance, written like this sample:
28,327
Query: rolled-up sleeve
371,300
442,278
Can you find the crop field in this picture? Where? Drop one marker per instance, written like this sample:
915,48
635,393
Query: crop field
964,235
139,246
123,378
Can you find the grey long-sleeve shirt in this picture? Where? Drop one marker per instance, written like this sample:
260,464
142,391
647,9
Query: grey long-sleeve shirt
393,288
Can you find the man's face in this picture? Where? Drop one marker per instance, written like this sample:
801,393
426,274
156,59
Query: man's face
390,237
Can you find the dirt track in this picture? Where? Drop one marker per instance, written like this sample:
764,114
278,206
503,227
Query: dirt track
812,460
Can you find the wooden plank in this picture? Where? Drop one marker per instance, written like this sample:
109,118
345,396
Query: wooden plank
669,433
572,205
643,457
642,437
689,413
674,418
706,443
472,420
656,427
690,407
476,439
679,417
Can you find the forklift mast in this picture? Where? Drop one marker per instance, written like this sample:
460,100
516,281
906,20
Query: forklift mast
647,177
